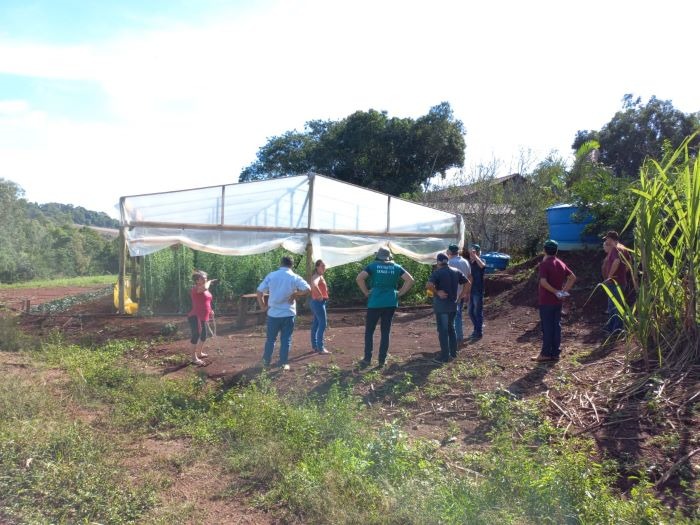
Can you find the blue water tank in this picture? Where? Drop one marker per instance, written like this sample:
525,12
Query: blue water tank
564,229
495,261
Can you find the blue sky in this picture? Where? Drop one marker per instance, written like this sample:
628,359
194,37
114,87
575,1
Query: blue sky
100,99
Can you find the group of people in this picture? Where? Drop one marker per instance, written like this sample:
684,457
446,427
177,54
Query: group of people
455,281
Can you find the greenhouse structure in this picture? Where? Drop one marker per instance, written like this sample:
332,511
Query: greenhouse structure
306,214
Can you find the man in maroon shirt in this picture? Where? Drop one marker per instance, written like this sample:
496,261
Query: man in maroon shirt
556,279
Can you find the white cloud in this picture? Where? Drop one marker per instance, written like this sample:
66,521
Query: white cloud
191,104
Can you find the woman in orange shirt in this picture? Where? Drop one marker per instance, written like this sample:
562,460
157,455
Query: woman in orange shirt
319,298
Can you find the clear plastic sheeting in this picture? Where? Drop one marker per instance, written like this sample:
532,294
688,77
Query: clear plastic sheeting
342,222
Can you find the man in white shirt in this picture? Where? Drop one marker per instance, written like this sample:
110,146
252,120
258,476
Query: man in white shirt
284,288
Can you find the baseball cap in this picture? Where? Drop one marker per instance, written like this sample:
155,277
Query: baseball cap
453,248
442,258
476,247
612,234
551,243
383,254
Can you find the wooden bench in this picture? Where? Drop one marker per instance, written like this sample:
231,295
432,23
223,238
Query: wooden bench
248,306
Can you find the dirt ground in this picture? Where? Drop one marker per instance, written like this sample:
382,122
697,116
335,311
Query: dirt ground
574,386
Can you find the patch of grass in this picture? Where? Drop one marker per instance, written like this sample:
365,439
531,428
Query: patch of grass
323,460
66,282
12,339
57,471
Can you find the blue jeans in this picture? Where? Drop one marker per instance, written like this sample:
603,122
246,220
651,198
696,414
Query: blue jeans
550,317
614,321
459,330
318,325
476,312
283,326
446,334
386,315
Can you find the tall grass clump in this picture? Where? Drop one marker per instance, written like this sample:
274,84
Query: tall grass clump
664,319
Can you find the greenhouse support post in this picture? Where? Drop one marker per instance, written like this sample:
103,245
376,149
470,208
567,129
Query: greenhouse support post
122,267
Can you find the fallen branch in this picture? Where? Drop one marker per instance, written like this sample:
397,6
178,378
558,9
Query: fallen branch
675,467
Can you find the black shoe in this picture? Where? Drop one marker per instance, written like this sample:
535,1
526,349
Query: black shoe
440,360
364,363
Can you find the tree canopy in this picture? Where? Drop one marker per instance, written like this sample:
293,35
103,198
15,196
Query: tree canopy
367,148
37,245
640,131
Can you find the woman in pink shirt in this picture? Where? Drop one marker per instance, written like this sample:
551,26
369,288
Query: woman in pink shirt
200,313
319,298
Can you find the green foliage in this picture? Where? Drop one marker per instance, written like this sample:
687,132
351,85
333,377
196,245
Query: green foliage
69,214
640,131
89,280
319,460
34,246
665,316
369,149
57,471
608,199
12,338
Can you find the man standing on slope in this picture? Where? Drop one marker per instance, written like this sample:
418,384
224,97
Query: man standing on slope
460,263
476,296
556,279
382,300
284,287
445,282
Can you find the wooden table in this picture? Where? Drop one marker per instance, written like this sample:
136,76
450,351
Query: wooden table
247,306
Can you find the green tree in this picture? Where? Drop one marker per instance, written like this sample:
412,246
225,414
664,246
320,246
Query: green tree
640,131
367,148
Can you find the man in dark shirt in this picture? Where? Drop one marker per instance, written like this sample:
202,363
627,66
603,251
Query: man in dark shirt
476,296
444,283
556,279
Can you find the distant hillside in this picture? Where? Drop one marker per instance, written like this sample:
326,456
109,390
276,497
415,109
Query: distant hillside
62,213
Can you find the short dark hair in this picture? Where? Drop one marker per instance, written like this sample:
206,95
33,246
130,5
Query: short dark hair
612,234
287,261
551,247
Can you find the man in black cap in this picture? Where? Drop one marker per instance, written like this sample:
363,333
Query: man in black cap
476,296
461,264
444,283
556,279
382,300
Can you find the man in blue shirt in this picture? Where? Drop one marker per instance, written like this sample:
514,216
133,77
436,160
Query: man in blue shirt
383,298
284,287
444,283
476,296
461,264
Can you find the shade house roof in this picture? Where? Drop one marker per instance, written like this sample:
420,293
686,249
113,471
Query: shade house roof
341,222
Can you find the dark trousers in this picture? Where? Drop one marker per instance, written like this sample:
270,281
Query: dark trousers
614,320
374,315
446,334
550,317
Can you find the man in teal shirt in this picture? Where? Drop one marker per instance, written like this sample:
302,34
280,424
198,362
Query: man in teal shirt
383,298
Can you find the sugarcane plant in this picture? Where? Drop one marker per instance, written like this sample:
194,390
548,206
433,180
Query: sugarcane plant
663,319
